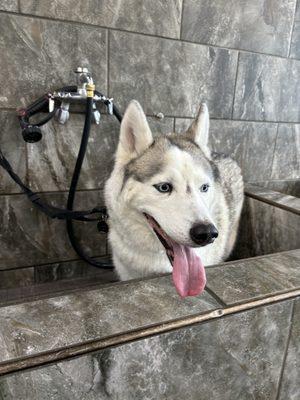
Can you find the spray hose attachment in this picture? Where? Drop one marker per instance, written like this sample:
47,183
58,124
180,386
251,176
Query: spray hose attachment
57,104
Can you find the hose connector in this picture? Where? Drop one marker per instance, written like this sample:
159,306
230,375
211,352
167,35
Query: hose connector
90,89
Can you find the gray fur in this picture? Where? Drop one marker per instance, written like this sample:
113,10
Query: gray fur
184,143
149,163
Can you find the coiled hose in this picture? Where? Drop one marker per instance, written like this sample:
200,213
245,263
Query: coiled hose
105,262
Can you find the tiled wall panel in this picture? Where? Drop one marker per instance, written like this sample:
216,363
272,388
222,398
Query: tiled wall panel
28,237
159,18
176,365
50,273
39,55
295,45
9,5
290,388
286,163
171,76
267,89
261,26
289,187
14,149
266,229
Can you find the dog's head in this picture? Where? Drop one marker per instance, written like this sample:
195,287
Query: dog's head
170,179
167,184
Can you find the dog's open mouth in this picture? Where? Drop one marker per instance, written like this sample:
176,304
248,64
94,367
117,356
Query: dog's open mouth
188,271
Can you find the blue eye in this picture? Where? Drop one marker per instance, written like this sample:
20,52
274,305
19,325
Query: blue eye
204,187
164,187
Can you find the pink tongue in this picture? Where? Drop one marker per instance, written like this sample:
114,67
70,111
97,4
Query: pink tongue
188,271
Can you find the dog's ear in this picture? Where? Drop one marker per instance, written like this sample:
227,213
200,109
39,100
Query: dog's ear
135,134
198,131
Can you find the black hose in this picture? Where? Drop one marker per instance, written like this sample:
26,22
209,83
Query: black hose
71,197
42,105
117,113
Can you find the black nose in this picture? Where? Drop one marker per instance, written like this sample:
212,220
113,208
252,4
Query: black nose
203,234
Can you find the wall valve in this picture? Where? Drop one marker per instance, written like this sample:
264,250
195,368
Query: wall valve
96,115
110,106
62,114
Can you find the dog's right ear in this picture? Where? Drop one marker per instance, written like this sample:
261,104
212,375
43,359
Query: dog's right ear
198,131
135,134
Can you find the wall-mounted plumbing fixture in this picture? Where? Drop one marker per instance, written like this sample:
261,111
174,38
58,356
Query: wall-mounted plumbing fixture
84,78
59,105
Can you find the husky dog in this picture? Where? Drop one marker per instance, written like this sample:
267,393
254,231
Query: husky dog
173,205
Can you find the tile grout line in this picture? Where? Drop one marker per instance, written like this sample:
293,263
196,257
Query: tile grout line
174,124
292,30
49,192
213,118
235,82
108,63
146,34
274,150
181,20
285,352
26,166
216,297
84,286
45,264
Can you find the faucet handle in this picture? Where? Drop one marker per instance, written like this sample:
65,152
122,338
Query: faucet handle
62,114
83,77
110,106
81,70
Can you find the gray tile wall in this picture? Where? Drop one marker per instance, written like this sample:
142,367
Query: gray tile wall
241,57
289,388
28,237
260,26
295,44
9,5
265,229
179,364
289,187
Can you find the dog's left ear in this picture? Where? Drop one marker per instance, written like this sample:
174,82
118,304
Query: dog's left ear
135,133
199,129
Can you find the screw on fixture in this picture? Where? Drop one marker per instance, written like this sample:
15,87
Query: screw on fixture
160,116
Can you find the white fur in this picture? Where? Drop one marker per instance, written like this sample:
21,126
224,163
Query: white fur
135,134
199,129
